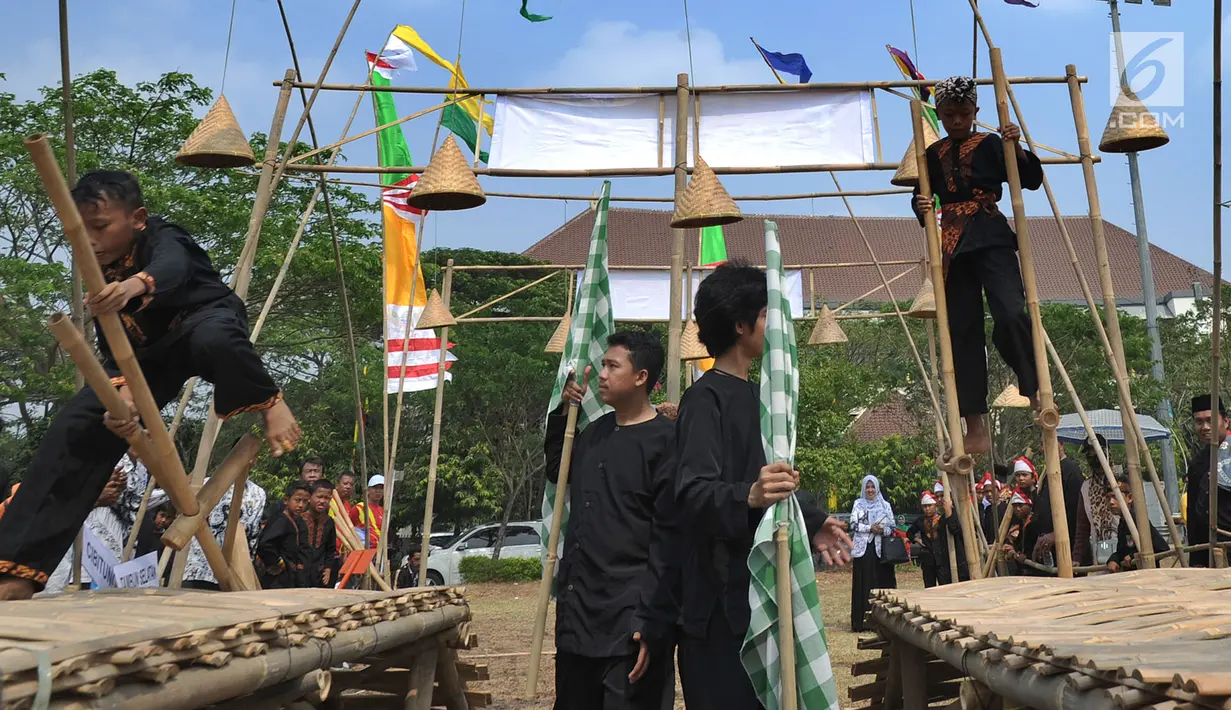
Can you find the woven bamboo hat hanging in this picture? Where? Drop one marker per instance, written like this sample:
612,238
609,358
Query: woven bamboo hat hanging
447,183
217,141
1131,128
924,305
907,174
705,202
560,337
827,331
436,314
691,347
1011,397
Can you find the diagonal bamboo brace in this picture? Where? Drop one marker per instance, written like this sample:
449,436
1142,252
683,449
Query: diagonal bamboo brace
236,464
82,355
163,455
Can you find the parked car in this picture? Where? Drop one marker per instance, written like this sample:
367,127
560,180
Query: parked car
521,539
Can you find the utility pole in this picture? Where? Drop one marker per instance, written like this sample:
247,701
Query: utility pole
1147,278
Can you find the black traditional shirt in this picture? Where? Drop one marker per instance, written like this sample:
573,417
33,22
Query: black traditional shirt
280,553
935,536
718,436
319,549
179,280
615,573
1125,547
968,177
1198,489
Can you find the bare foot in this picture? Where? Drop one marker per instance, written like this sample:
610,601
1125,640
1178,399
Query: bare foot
281,430
977,439
15,589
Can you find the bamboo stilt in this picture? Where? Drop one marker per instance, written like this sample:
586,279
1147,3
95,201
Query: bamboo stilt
937,413
437,414
786,619
1048,416
553,544
1001,534
236,464
675,295
960,462
233,519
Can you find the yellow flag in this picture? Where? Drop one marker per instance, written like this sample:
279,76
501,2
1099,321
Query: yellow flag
471,105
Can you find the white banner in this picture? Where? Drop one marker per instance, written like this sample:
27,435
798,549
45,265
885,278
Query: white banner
581,132
140,572
646,295
98,560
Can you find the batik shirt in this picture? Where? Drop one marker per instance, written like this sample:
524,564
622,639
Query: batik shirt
198,568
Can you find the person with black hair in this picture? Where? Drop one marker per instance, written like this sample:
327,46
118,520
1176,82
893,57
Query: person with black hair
279,550
1211,434
615,605
319,544
182,321
723,486
312,469
1125,556
967,173
1098,517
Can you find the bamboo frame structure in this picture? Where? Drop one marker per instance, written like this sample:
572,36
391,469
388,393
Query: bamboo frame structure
1216,336
1048,416
437,413
675,297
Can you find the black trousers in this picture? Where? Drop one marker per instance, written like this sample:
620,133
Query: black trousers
996,272
584,683
77,453
711,672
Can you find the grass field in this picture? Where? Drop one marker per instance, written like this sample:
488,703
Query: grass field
504,619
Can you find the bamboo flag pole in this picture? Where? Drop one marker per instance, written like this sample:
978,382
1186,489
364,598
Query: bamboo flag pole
961,462
553,542
437,415
1048,417
1216,336
158,451
786,618
940,442
675,293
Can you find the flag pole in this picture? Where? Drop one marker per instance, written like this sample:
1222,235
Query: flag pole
786,617
761,54
553,541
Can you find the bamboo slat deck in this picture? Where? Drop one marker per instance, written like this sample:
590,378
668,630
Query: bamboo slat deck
1139,639
123,648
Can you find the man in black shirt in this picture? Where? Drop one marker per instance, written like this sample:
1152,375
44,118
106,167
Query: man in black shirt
723,487
1071,479
967,171
1209,429
615,611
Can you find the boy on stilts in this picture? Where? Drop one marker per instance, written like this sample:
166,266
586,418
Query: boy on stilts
183,321
967,173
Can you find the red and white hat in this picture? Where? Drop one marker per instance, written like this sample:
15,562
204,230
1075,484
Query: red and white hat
1022,465
988,480
1020,497
938,488
927,499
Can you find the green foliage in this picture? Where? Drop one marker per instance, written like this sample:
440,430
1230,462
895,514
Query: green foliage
484,569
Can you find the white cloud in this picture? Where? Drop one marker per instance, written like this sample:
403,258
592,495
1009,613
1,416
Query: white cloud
621,54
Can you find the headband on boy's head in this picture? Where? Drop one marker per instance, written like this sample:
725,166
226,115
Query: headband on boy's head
1023,465
960,89
927,499
987,480
1201,403
1020,498
938,488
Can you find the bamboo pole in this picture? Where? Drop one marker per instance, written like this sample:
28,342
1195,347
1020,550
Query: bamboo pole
1216,335
1113,344
553,543
578,267
786,620
478,132
1001,534
960,462
688,296
143,507
1092,437
437,413
237,463
876,127
662,101
350,539
812,291
859,298
155,448
239,283
510,294
675,293
1048,417
233,515
337,145
668,90
937,415
629,172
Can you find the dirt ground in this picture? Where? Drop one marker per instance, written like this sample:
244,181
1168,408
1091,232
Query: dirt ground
503,618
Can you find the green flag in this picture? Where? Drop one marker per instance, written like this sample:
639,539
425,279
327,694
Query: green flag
713,247
457,120
779,406
587,341
530,15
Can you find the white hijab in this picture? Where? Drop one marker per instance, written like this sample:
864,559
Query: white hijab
868,512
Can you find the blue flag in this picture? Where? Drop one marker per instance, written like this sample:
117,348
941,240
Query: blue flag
792,63
1027,3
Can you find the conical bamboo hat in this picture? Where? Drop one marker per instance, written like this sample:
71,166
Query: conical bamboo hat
447,183
1131,128
560,337
435,314
705,202
827,330
924,305
1011,398
691,347
217,141
907,174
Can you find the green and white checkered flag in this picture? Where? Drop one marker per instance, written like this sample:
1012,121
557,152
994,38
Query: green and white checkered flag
779,405
587,341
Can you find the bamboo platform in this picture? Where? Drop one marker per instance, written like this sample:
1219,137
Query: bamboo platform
1152,639
162,648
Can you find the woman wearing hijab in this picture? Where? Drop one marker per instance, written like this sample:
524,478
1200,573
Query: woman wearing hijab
872,522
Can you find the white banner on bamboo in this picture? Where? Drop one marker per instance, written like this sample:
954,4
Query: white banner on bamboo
645,295
581,132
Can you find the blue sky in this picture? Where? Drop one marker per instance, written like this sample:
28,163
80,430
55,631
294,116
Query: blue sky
642,42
